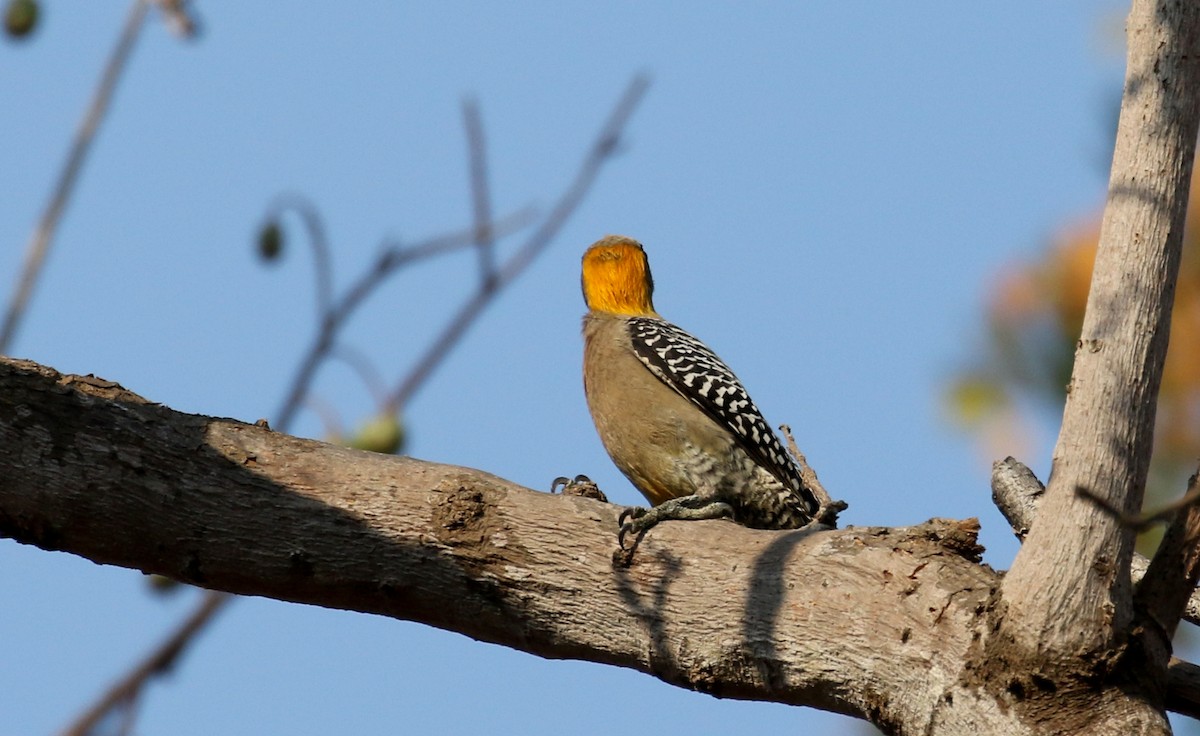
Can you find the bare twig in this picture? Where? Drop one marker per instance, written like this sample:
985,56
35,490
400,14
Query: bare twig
807,474
396,255
481,199
391,259
331,421
39,243
1141,522
160,660
602,149
829,509
322,263
366,370
179,18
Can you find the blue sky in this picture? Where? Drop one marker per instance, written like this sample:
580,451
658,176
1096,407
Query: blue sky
826,191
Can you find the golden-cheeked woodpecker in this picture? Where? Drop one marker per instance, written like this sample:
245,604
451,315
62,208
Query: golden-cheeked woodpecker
673,417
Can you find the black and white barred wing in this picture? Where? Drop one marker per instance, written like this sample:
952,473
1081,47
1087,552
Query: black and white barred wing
690,368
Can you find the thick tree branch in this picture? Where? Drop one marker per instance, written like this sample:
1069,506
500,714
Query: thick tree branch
1068,591
90,468
878,623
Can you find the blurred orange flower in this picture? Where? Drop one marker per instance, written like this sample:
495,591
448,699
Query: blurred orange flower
1034,317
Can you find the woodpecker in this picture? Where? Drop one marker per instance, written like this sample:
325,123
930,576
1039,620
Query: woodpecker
672,416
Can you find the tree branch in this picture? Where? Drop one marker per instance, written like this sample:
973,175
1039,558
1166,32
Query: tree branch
43,234
1143,521
1170,580
601,150
1183,693
339,311
872,622
481,195
1016,491
126,690
92,469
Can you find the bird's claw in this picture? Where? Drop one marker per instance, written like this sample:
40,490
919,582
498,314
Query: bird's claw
628,522
580,485
636,512
561,480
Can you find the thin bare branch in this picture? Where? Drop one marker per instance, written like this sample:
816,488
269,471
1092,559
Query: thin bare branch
396,255
178,14
317,239
1188,499
829,509
600,152
331,420
481,198
158,662
605,147
361,363
391,259
1143,521
43,235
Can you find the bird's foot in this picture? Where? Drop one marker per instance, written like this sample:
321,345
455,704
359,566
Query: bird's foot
638,520
580,485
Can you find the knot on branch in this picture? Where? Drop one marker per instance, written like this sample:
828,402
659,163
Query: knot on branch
959,537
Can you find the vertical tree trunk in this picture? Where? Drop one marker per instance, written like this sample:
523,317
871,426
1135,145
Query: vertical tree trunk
1068,591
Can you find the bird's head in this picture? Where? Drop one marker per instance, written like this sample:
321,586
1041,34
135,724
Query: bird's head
616,277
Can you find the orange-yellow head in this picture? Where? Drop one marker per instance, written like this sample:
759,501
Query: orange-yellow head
616,277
